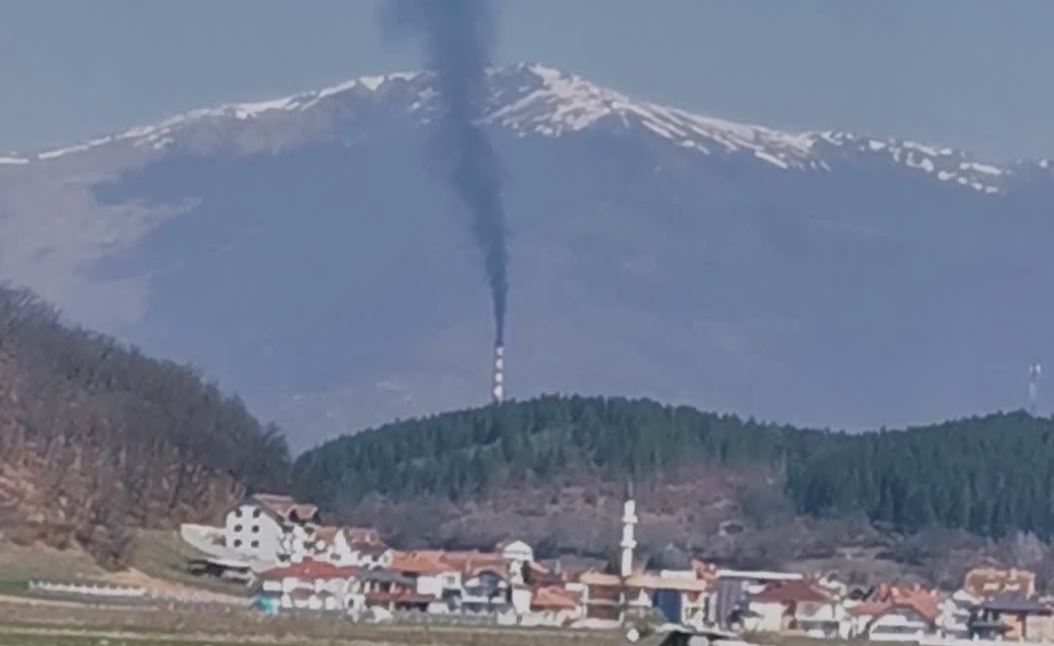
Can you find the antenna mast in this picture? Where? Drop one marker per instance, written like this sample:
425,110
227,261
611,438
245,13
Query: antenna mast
1035,371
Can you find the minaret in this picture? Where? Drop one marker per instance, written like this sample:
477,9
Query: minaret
498,391
629,542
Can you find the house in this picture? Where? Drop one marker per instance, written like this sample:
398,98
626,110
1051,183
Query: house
391,591
1013,617
895,613
680,596
796,606
471,582
269,528
603,597
554,606
322,585
313,585
431,575
954,614
903,621
732,590
860,615
988,582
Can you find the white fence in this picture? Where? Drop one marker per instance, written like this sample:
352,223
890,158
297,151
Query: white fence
96,590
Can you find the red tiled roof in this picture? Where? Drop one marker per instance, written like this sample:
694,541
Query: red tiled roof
922,599
286,506
310,570
791,592
369,549
866,609
420,562
553,598
930,612
473,562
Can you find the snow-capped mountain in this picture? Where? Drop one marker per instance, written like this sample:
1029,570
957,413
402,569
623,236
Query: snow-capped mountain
300,250
543,101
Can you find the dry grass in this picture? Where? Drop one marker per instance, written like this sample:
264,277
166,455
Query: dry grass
19,564
162,555
40,625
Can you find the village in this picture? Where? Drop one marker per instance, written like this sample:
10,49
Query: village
293,563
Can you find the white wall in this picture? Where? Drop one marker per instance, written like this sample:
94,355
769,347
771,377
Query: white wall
895,626
769,617
253,533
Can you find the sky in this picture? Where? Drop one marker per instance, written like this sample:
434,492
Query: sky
973,74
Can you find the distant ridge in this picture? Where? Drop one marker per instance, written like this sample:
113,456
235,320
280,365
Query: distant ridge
987,475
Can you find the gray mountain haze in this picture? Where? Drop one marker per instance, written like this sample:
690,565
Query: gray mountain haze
301,251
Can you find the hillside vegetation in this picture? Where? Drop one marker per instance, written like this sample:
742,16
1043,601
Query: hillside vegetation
990,476
96,438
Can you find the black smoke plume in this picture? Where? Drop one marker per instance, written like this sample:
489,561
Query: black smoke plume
457,37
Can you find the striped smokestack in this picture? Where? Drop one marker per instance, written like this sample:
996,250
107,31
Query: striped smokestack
498,391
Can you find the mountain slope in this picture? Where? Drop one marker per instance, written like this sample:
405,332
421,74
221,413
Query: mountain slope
300,251
96,439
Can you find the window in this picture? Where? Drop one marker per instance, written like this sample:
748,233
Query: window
237,528
256,513
256,529
255,544
237,542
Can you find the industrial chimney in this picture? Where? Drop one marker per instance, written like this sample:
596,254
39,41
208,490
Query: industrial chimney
499,374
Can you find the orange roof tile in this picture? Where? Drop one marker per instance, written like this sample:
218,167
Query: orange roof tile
420,562
554,598
310,570
791,592
866,609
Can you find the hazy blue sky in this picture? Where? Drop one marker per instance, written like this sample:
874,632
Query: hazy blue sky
971,73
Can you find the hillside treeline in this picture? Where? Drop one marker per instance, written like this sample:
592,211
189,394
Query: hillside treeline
990,475
96,438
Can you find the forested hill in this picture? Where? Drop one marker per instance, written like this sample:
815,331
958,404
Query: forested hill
96,439
989,475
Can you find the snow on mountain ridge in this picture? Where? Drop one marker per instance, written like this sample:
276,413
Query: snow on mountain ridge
533,99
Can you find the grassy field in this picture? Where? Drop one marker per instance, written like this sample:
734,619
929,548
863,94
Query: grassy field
19,564
37,625
353,635
159,555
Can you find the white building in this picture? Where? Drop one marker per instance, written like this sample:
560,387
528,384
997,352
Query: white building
901,623
796,606
270,528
